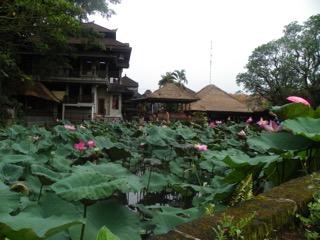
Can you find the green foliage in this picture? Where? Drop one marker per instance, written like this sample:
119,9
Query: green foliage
177,77
293,110
243,191
146,182
286,66
311,223
229,229
304,126
105,234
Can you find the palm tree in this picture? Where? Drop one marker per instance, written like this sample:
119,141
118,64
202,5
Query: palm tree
167,78
180,76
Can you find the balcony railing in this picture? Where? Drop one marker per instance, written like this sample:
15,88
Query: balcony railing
78,99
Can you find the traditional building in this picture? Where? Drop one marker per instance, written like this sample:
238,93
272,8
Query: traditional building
218,104
173,99
90,85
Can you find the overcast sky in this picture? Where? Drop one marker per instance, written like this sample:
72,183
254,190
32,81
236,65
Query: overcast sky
166,35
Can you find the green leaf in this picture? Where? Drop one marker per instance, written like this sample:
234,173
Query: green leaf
16,158
105,234
10,172
160,136
9,200
306,127
157,181
87,185
293,110
103,142
25,147
33,227
278,141
131,182
186,133
165,218
118,219
46,175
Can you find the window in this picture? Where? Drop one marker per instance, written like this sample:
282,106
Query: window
86,67
115,102
114,80
101,108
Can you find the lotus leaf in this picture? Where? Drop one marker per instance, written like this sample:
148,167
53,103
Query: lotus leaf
118,219
87,185
105,234
279,141
293,110
304,126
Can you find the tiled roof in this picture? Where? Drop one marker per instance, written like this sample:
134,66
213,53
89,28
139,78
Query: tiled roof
98,28
128,82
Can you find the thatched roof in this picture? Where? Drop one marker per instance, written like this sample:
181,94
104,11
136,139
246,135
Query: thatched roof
172,93
40,91
213,99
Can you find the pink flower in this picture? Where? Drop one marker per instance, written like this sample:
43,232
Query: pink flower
296,99
272,126
91,144
249,120
70,127
262,122
201,147
212,125
80,146
218,122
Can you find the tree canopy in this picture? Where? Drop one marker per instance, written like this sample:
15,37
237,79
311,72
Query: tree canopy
177,77
287,66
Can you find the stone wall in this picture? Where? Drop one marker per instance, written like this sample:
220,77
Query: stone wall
274,210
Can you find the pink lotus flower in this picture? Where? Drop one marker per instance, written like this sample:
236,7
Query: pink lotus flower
249,120
296,99
262,122
272,126
91,144
201,147
81,146
212,125
70,127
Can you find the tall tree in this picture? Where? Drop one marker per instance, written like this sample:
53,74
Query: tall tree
180,76
287,66
177,77
167,78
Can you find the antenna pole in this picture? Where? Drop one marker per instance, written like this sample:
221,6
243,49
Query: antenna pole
210,61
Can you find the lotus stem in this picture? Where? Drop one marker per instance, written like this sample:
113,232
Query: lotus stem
149,179
83,225
39,196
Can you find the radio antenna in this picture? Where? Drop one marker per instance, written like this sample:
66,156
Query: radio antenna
210,62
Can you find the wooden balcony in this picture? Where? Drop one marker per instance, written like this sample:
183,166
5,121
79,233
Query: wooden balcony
78,99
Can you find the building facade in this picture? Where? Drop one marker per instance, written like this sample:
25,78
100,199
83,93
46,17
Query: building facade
90,85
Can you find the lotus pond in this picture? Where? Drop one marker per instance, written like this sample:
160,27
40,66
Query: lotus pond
132,182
